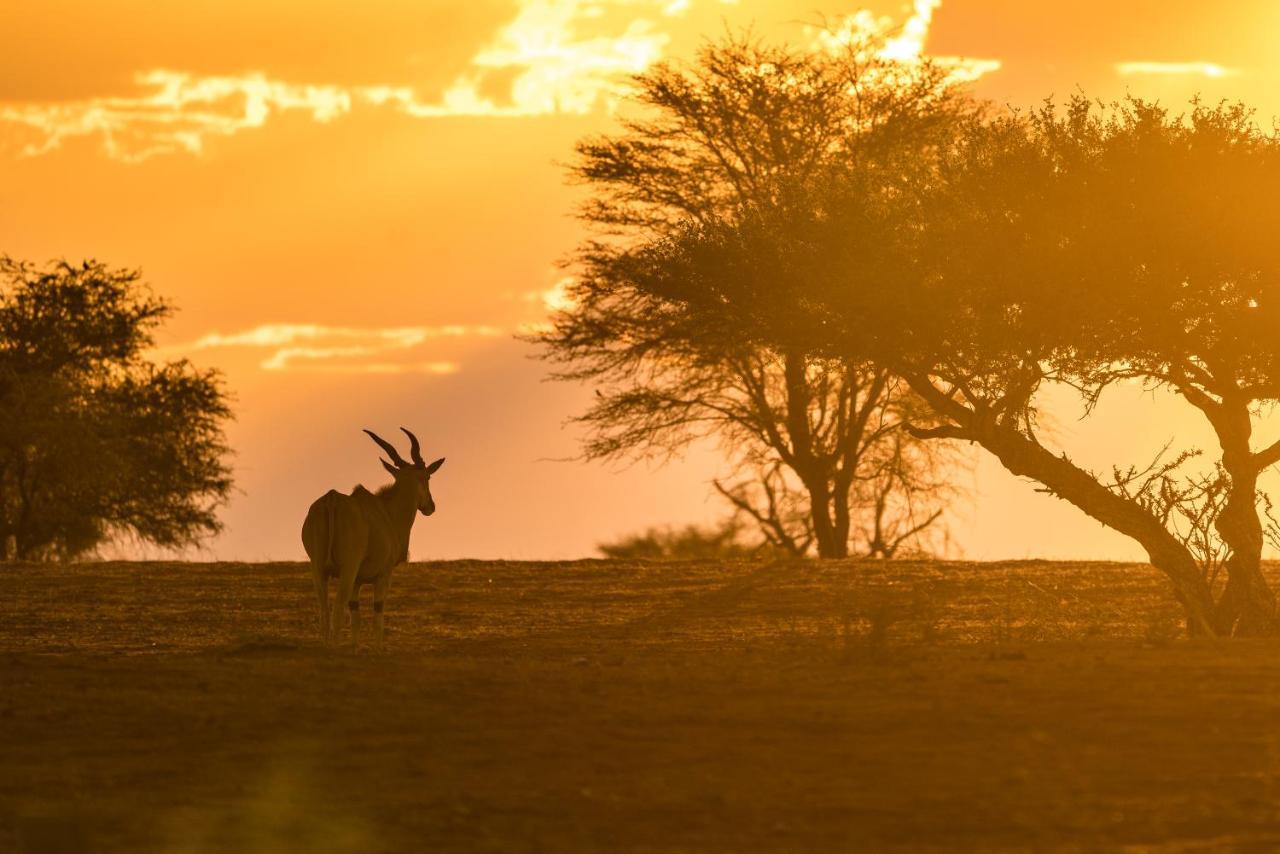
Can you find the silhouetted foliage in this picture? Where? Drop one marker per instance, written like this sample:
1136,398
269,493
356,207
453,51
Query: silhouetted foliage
1096,246
688,543
1078,249
97,441
751,128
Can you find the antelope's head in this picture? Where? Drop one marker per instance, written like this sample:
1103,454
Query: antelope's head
415,475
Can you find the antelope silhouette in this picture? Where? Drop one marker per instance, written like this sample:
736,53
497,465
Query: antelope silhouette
360,538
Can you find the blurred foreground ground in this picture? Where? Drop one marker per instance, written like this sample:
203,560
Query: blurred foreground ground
613,706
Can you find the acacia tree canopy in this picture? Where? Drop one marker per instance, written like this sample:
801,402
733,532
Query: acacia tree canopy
97,441
1076,247
746,130
1092,245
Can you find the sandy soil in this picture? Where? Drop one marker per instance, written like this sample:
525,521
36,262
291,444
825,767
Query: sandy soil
613,706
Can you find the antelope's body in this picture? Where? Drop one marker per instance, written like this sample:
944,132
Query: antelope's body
362,537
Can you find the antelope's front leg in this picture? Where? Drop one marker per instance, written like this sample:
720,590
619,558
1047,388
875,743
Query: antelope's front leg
379,602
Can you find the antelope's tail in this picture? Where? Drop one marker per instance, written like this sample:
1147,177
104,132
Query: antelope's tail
330,514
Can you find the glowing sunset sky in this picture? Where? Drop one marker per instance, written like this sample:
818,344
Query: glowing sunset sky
355,206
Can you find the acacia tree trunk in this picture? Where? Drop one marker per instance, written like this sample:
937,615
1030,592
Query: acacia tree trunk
1247,606
848,459
840,521
831,543
809,465
1024,456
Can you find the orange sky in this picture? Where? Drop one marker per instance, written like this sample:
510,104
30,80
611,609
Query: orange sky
355,205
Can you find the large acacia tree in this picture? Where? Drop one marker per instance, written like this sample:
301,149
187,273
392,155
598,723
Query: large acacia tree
1089,247
96,440
750,127
1077,248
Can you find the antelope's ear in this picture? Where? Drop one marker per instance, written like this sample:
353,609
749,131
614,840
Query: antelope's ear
386,465
431,469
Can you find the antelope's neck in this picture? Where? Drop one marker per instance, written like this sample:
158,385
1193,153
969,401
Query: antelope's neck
402,509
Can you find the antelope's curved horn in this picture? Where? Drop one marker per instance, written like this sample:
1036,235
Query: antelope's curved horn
415,451
388,447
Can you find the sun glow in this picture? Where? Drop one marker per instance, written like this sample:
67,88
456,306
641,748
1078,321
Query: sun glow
906,46
910,44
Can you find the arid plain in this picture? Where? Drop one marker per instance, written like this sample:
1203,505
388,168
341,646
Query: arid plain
632,706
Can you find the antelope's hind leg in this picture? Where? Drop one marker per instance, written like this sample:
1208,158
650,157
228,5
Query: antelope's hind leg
320,579
347,557
346,593
353,605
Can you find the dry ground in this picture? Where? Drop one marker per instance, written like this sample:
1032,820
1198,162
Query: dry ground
603,705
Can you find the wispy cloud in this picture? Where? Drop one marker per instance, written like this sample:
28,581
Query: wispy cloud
1201,69
175,112
554,56
340,349
330,360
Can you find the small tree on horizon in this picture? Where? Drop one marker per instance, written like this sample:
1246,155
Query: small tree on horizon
690,542
98,442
